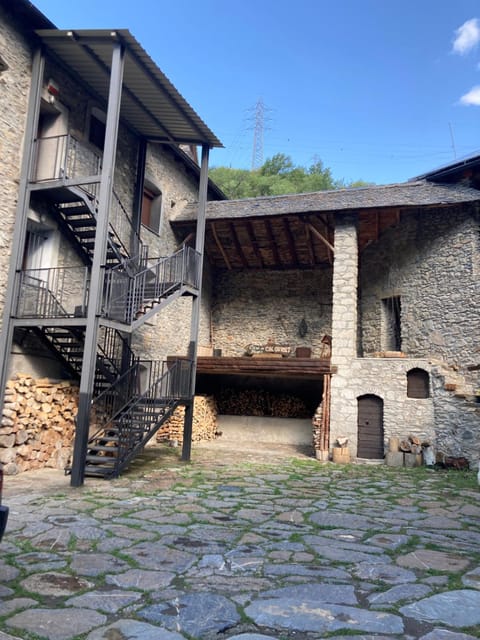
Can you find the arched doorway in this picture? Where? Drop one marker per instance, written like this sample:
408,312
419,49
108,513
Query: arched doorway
370,438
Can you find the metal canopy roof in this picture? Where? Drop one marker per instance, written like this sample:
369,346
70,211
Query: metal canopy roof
150,105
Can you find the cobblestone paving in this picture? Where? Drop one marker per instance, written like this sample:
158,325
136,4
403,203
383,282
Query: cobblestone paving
242,546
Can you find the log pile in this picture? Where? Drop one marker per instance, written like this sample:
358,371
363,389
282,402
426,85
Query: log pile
37,426
204,422
258,402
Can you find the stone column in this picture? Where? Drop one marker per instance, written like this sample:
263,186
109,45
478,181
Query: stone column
343,407
345,285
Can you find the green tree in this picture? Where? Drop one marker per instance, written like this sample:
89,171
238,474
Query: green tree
277,176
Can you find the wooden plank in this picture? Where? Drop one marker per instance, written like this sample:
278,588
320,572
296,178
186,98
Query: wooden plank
282,367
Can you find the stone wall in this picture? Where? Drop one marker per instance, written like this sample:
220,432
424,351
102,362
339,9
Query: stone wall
387,379
14,92
168,333
430,260
258,306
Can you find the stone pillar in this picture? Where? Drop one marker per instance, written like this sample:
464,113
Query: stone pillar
343,405
345,285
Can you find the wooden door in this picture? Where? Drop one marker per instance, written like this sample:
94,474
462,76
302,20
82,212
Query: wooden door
370,427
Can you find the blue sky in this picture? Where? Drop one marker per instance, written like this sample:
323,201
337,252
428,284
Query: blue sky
378,90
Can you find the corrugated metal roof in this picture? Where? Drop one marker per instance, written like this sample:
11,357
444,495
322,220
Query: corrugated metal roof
408,194
150,105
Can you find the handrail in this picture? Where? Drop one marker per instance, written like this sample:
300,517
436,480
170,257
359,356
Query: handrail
126,294
64,156
52,292
169,383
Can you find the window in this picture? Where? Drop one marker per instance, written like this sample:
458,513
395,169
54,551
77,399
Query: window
151,208
418,384
391,335
96,127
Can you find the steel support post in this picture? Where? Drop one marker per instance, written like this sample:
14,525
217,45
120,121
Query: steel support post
195,320
20,228
99,257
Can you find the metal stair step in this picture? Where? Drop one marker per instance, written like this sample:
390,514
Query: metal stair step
106,461
97,470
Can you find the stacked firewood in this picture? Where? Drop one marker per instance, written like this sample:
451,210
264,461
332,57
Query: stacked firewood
411,445
37,426
204,425
317,426
258,402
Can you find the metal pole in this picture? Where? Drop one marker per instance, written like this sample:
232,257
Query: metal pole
195,321
20,228
99,256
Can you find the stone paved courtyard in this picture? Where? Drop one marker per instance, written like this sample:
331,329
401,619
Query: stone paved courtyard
242,545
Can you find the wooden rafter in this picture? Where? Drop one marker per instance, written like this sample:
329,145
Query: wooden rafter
290,241
253,240
237,244
220,247
309,242
321,237
271,239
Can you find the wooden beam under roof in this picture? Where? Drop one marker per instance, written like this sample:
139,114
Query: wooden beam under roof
273,244
237,244
309,243
220,247
290,242
254,243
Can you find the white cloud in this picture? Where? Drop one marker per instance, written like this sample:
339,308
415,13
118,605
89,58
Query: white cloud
467,36
472,97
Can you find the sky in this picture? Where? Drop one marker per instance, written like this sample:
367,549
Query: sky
378,90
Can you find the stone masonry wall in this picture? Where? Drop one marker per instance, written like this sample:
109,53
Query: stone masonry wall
168,333
258,306
432,262
14,92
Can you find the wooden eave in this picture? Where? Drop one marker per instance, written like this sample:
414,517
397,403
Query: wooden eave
287,241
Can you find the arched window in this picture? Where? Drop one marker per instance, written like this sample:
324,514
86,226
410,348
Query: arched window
418,384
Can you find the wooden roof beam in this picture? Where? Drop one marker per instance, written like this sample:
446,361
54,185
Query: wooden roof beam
253,240
290,242
321,237
310,247
220,247
273,244
238,246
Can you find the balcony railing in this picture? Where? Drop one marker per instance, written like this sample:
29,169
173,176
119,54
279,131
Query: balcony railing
60,292
61,157
127,295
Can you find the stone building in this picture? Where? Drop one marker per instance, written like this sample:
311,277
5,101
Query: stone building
359,307
96,158
389,273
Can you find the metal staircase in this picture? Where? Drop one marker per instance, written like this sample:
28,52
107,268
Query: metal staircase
136,415
131,398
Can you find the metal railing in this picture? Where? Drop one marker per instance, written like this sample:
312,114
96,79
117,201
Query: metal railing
133,416
127,294
59,157
57,292
169,384
124,229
